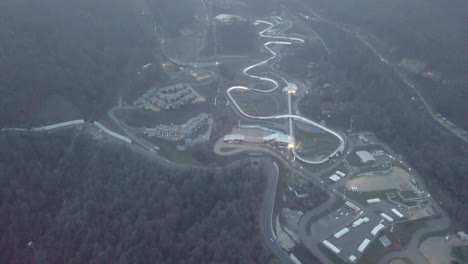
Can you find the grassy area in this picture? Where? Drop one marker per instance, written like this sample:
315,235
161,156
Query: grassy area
111,126
461,253
259,104
318,140
207,91
224,149
407,203
379,168
408,194
182,48
362,197
375,252
303,254
168,150
337,204
451,229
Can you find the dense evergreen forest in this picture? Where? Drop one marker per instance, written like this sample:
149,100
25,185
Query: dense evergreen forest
236,38
67,55
82,201
377,100
432,31
171,17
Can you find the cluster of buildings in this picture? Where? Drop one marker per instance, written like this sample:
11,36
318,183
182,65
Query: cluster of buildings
226,18
364,138
190,143
337,176
177,132
365,156
171,97
357,228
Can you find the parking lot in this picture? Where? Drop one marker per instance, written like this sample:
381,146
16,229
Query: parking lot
326,227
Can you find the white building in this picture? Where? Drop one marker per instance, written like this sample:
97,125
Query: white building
373,201
334,178
360,221
386,217
397,213
352,206
341,174
365,156
331,247
234,138
341,233
377,229
363,245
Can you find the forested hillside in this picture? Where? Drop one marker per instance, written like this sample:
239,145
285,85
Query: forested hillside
67,55
430,31
82,201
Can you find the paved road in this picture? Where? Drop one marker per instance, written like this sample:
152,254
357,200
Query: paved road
143,143
308,241
267,215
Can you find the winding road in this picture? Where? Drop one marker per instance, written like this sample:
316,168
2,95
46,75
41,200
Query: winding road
280,40
267,216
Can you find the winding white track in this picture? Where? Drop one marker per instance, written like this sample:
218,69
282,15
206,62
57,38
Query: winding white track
284,41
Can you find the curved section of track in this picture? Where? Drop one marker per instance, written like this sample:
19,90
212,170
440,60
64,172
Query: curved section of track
280,41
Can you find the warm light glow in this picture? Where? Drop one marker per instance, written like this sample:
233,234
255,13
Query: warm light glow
290,145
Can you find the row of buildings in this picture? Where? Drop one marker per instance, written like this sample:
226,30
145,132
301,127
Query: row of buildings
171,97
351,254
280,139
176,132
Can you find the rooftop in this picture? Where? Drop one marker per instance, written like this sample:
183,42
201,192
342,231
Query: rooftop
365,156
232,137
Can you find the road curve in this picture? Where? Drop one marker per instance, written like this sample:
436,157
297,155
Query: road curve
284,41
267,216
